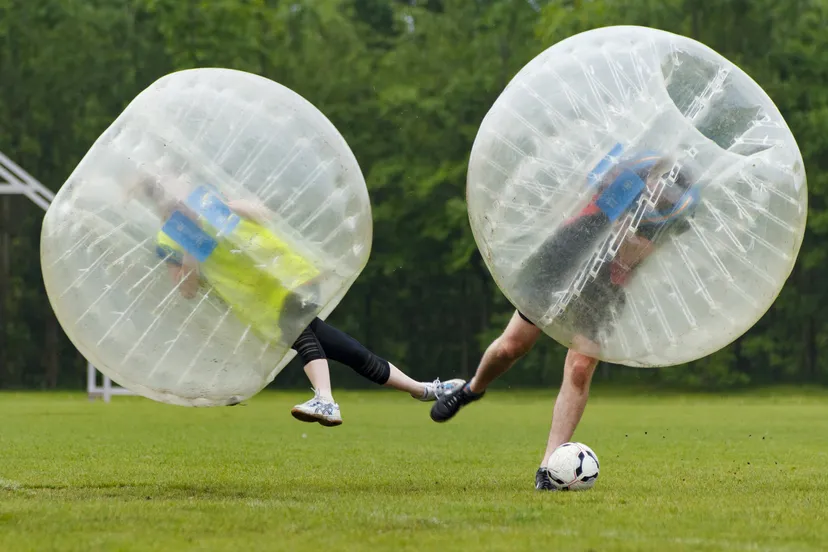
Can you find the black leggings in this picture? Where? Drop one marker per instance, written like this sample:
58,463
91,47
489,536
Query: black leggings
320,341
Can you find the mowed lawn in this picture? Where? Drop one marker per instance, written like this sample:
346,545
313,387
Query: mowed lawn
746,472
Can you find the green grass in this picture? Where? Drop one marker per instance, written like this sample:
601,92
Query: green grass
678,473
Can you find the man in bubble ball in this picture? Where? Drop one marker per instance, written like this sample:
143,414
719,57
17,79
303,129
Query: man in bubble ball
267,300
551,268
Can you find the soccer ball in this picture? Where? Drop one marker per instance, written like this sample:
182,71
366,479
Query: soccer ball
573,467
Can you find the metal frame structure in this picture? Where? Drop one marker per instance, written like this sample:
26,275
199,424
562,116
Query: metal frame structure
15,181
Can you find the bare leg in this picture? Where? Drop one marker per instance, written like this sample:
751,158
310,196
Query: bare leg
320,377
322,408
517,339
397,379
571,401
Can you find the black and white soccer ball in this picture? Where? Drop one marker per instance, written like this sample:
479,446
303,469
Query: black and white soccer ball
573,467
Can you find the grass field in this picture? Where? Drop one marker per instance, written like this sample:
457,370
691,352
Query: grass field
678,473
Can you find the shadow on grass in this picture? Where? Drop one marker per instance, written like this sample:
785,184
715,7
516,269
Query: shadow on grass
307,491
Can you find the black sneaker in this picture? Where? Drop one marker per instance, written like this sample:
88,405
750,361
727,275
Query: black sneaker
450,403
543,482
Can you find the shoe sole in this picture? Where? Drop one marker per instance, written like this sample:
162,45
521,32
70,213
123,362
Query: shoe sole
442,419
330,423
310,418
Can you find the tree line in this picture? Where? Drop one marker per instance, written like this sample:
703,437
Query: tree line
407,82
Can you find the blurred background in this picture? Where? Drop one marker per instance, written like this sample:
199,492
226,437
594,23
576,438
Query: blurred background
407,82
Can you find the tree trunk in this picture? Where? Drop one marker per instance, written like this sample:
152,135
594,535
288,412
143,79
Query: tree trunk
369,344
694,21
485,295
464,329
51,359
810,351
5,243
741,363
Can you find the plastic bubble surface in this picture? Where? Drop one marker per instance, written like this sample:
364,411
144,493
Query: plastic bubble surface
637,196
202,232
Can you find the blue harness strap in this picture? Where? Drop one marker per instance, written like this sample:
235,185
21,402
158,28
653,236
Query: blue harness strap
189,235
618,196
169,254
192,239
603,167
623,191
684,207
210,206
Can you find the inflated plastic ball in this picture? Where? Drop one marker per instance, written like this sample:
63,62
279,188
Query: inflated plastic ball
637,196
202,232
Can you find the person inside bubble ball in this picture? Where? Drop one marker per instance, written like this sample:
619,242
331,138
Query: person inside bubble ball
617,193
210,242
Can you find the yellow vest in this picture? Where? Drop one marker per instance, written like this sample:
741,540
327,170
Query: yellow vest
244,263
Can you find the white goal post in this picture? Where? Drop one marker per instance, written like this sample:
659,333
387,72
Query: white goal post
15,181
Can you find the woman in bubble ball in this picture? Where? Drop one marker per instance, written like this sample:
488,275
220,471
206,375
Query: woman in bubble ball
271,300
559,258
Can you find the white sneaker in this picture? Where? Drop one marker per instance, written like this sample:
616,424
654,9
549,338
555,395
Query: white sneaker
318,409
436,389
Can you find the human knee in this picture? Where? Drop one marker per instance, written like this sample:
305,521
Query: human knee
308,347
511,348
343,348
375,369
579,369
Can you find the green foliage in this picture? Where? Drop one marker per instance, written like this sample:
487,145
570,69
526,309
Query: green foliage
407,83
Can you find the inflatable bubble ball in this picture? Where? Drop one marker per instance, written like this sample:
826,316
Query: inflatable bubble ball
637,196
202,232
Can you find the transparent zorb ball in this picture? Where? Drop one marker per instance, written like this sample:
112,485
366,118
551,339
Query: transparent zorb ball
202,232
637,196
